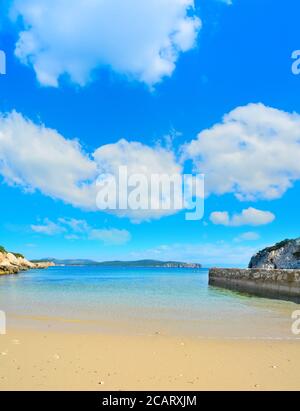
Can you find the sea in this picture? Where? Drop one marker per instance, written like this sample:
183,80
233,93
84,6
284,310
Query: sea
140,301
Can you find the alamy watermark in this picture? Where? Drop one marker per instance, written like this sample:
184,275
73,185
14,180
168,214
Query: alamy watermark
2,323
151,192
296,324
296,63
2,63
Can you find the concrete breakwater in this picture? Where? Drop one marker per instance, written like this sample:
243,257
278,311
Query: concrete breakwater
270,283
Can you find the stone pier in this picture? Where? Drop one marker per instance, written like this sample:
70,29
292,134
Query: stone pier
278,284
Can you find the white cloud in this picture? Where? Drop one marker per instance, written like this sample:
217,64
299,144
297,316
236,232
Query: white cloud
34,157
141,39
137,157
77,226
74,229
220,217
110,236
248,236
143,160
250,216
48,228
254,153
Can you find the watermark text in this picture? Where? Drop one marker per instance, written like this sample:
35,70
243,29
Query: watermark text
2,323
2,63
156,192
296,324
296,63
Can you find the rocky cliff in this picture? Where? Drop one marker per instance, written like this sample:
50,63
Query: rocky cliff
11,263
283,255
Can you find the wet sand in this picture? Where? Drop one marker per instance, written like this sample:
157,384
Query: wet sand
52,360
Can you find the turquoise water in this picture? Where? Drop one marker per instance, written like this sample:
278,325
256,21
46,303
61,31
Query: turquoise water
143,301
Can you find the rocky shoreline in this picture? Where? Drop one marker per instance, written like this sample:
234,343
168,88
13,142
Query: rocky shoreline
273,272
11,263
283,255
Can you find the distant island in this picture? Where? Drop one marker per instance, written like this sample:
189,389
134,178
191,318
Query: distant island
12,263
137,264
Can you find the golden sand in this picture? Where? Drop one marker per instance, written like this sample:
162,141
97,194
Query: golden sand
39,360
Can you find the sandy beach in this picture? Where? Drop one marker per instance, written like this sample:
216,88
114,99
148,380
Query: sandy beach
150,192
84,329
39,360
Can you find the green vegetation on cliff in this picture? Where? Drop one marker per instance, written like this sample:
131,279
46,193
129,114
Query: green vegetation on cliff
2,249
18,255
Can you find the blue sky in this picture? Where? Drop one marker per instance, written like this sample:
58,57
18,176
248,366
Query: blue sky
125,80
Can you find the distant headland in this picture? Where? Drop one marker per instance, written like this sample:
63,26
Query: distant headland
13,263
136,264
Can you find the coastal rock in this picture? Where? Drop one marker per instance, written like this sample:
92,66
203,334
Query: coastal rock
11,263
44,264
273,273
283,255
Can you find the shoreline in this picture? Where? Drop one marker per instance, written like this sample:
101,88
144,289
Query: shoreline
275,324
191,339
49,360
